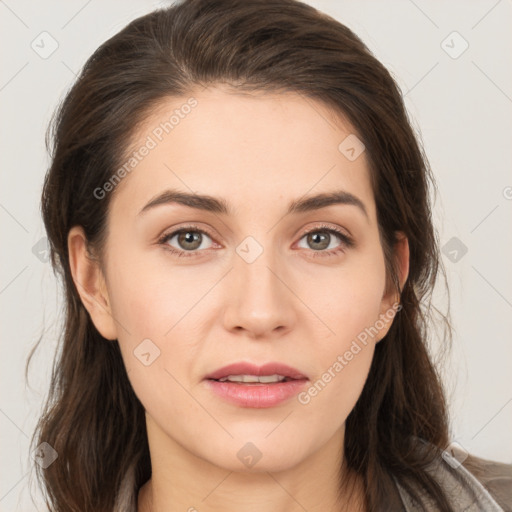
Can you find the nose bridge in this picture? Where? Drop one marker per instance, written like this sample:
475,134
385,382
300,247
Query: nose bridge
256,263
261,300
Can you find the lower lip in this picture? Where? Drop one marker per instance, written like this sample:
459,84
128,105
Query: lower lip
256,395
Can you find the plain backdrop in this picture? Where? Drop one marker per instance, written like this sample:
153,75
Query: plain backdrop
452,62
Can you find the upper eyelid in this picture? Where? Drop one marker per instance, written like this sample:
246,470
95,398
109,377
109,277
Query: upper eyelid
325,228
173,232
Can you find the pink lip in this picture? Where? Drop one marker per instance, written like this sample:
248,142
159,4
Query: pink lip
256,395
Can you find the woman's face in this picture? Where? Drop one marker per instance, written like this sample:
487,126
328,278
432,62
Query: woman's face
247,284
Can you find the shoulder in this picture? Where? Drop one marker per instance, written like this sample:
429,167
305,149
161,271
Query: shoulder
495,477
470,483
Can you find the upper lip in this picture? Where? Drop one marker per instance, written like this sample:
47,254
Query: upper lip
243,368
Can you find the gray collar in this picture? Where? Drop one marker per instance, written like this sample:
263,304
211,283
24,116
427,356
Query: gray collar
465,492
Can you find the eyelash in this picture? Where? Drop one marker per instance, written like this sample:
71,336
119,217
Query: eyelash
347,242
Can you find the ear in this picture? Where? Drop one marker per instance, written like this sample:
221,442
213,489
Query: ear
90,283
391,298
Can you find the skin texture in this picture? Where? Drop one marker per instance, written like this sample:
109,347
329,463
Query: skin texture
258,152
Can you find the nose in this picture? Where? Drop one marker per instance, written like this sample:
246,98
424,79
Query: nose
261,297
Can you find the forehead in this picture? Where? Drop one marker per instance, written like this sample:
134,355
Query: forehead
249,148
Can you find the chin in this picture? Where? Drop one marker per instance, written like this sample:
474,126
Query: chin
257,456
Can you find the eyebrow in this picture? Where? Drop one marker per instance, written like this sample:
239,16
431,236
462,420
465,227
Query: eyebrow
221,206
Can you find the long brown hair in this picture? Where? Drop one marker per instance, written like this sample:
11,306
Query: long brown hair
92,417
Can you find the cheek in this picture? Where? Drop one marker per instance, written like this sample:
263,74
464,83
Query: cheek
350,307
333,394
345,354
349,300
147,298
157,318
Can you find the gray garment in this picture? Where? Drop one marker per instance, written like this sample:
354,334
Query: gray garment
477,485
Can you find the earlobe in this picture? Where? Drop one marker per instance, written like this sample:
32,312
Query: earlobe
391,300
402,255
90,284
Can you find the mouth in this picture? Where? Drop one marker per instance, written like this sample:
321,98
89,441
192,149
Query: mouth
255,379
247,385
249,373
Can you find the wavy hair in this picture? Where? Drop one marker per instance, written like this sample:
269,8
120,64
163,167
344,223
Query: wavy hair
91,416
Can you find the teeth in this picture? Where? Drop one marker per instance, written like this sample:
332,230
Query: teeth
253,378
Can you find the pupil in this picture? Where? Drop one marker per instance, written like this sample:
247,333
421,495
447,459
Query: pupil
323,243
189,237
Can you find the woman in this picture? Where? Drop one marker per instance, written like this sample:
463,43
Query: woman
239,211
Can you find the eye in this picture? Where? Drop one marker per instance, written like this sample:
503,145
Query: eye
322,237
189,239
